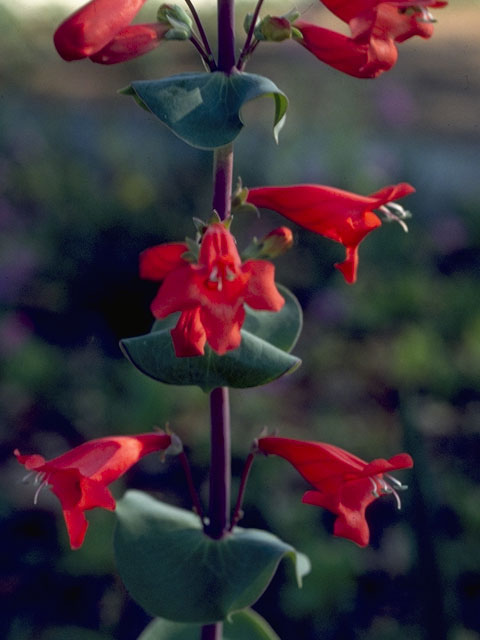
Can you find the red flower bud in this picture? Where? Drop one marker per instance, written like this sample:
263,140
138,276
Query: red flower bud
277,242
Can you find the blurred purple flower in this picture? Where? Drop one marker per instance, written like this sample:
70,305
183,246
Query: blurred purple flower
449,234
396,105
15,328
17,264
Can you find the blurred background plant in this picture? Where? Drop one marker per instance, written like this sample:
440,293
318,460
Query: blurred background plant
87,181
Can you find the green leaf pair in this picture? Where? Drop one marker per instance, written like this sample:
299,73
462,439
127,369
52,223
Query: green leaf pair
203,109
262,356
175,571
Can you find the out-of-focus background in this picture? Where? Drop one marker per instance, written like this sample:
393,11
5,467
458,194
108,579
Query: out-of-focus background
88,180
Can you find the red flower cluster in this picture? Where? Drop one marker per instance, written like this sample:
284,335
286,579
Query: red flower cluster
101,31
344,484
211,293
336,214
79,478
376,27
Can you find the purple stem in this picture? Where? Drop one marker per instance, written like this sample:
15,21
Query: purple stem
222,173
191,486
226,35
220,473
220,466
212,631
210,60
237,513
246,51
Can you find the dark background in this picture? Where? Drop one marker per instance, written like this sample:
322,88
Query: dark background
88,180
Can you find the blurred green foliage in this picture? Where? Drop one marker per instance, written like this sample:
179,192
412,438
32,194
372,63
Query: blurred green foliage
87,181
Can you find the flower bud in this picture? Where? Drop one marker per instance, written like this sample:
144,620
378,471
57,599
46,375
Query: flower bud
276,243
274,29
175,17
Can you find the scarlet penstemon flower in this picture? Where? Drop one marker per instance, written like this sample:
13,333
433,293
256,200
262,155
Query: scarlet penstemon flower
344,484
210,293
101,31
336,214
375,27
79,477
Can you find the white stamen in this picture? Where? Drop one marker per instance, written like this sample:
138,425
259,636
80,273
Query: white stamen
375,487
397,498
37,492
426,15
393,212
398,485
214,277
26,478
386,488
229,274
39,477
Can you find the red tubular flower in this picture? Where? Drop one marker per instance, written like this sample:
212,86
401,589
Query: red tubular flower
79,478
344,484
336,214
100,30
211,293
358,59
131,42
347,10
157,261
375,28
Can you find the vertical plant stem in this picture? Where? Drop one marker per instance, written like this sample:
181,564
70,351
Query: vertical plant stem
222,176
220,466
220,471
226,35
212,631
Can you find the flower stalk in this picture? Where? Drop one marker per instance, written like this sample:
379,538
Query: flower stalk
197,505
220,468
249,45
238,513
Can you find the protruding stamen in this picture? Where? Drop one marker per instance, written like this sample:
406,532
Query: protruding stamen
375,493
37,492
398,485
394,212
386,488
397,498
26,478
426,15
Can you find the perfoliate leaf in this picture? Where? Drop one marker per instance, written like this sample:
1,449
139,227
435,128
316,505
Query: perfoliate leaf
174,571
203,109
254,363
283,328
244,625
260,358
